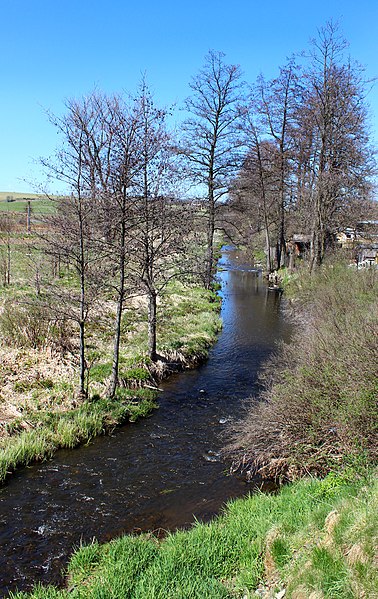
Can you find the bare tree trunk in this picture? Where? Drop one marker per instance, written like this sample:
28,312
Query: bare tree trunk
117,340
82,319
82,388
152,325
118,321
269,264
82,366
209,266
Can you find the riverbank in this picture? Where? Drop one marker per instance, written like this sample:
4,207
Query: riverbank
313,540
39,409
319,411
161,473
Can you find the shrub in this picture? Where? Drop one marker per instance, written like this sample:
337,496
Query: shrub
320,410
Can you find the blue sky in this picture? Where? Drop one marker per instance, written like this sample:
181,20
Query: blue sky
51,50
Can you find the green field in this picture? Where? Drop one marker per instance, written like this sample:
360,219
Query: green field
17,202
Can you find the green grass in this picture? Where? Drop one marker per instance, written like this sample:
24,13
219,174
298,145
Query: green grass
39,203
45,397
51,430
189,321
272,541
188,324
37,206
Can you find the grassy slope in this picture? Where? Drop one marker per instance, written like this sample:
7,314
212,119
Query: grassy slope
39,409
18,195
39,203
320,411
314,539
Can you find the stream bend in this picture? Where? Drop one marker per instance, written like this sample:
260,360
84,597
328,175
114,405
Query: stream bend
156,474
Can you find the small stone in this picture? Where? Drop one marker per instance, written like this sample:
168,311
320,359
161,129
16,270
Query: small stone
211,456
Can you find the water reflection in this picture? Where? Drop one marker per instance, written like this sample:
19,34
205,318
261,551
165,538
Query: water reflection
156,474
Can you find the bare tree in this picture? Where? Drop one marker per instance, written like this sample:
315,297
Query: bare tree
71,231
115,158
263,185
159,235
254,194
336,124
210,141
277,105
319,165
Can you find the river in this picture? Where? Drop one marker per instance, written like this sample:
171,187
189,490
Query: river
157,474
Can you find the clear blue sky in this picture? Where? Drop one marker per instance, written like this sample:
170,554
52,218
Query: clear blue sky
51,50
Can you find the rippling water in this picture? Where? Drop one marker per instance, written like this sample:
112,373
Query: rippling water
156,474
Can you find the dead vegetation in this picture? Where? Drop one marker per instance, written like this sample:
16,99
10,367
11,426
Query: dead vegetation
318,410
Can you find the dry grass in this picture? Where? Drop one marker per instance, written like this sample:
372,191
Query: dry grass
319,407
33,380
39,368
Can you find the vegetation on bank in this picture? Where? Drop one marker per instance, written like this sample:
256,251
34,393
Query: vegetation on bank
319,410
40,411
48,431
314,539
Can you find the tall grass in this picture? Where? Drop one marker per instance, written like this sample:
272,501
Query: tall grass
320,403
51,431
312,536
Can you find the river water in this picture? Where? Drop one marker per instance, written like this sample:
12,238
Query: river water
157,474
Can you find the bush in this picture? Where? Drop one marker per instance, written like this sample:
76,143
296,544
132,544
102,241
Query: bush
320,410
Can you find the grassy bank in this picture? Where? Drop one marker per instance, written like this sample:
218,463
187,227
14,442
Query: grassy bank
49,431
39,409
314,539
320,409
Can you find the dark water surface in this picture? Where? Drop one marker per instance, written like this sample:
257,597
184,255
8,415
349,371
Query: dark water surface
157,474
